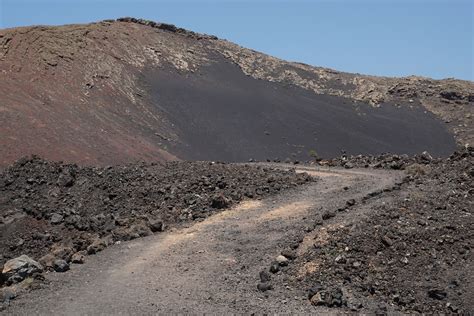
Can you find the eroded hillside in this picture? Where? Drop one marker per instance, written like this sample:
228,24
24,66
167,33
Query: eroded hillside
118,91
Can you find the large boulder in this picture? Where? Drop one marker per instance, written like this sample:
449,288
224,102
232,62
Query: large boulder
155,225
60,265
219,201
79,257
6,295
62,252
96,246
47,261
18,269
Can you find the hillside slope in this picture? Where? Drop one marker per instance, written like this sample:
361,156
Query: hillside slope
119,91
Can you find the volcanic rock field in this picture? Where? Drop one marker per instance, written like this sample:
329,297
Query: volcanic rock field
145,169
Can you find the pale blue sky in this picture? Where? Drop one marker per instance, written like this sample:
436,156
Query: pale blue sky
432,38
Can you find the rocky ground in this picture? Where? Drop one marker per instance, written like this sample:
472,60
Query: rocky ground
413,253
358,239
53,211
383,161
212,266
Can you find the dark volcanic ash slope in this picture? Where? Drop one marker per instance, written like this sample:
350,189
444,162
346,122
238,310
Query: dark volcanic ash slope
119,91
222,114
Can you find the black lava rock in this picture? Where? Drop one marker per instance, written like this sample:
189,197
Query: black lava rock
263,287
60,265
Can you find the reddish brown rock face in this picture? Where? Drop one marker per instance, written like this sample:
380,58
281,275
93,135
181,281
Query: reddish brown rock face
117,92
68,95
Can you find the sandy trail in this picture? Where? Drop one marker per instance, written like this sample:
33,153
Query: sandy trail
209,267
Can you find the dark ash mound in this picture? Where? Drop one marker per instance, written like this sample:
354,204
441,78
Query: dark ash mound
45,205
225,115
413,254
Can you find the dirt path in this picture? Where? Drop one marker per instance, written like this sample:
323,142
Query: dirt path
211,266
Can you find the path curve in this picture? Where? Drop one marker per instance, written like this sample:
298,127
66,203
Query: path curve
209,267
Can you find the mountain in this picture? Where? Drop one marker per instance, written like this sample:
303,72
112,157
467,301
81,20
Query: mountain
123,90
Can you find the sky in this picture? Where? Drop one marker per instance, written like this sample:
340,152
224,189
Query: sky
432,38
